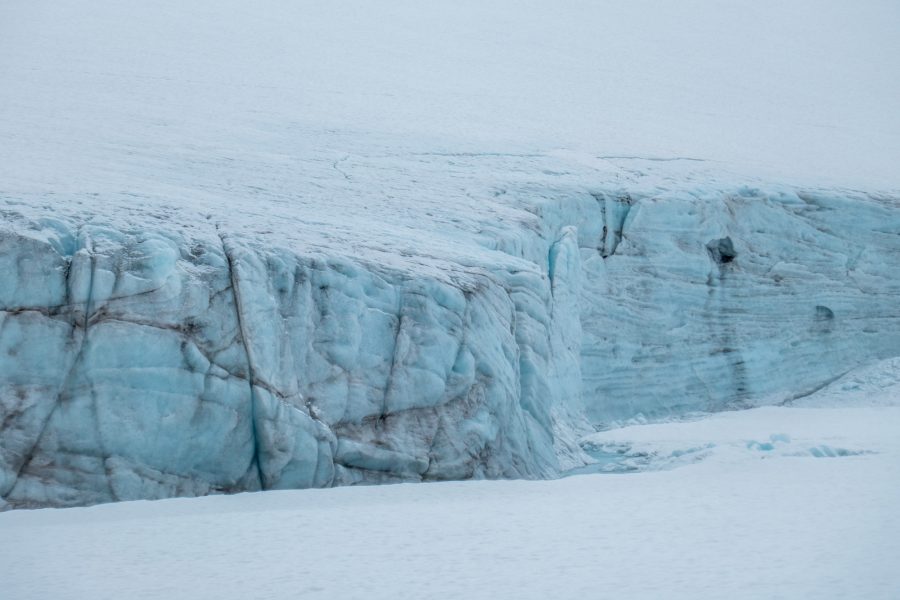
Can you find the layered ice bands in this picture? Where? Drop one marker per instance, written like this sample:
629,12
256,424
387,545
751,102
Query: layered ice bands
140,359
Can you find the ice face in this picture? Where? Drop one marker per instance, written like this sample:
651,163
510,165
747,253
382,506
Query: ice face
146,363
717,301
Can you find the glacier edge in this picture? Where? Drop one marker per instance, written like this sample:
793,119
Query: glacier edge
144,362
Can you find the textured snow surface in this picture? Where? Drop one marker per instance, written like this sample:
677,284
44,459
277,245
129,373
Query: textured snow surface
302,245
844,430
737,520
219,95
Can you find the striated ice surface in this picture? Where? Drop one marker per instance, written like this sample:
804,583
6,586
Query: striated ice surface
149,364
723,301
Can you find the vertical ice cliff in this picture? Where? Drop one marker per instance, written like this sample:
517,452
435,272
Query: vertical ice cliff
715,300
148,362
143,364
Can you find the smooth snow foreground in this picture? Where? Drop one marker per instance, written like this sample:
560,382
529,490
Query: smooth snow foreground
776,502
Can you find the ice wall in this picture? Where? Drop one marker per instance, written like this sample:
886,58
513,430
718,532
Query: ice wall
703,301
147,362
142,364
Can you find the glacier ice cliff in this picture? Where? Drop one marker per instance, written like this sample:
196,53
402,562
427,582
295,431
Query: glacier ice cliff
144,360
743,299
142,364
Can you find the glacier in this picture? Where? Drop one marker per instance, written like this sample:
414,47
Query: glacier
147,363
301,245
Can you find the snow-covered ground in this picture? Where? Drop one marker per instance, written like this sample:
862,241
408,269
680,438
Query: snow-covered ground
213,97
777,502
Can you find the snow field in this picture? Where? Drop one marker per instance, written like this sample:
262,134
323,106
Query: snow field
740,523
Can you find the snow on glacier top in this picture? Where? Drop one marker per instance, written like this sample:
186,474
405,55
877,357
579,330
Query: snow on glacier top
378,127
